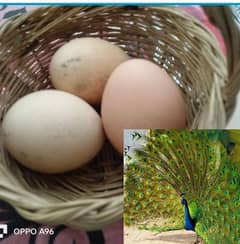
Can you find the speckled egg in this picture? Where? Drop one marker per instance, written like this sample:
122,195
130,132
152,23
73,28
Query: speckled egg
83,65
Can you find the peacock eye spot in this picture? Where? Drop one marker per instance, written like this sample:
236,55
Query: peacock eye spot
179,152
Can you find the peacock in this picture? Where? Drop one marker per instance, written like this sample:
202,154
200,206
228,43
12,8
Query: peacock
199,170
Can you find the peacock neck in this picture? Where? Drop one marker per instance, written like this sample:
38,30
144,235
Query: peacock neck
189,222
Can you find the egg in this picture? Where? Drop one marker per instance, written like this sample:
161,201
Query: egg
52,131
140,95
83,65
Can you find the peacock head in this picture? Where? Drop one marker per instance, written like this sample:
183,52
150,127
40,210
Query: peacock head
183,200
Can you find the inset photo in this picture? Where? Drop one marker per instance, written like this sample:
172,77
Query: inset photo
181,186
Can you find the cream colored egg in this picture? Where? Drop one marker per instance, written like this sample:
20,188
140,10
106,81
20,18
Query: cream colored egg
140,95
83,65
52,131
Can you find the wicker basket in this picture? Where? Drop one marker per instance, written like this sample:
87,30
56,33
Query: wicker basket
92,197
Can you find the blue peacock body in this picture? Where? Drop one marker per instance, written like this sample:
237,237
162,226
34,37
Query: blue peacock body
200,169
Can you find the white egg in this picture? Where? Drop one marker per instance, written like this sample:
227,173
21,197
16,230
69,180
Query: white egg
52,131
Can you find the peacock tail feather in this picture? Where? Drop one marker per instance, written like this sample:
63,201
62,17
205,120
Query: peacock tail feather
184,159
220,213
202,164
234,136
145,198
